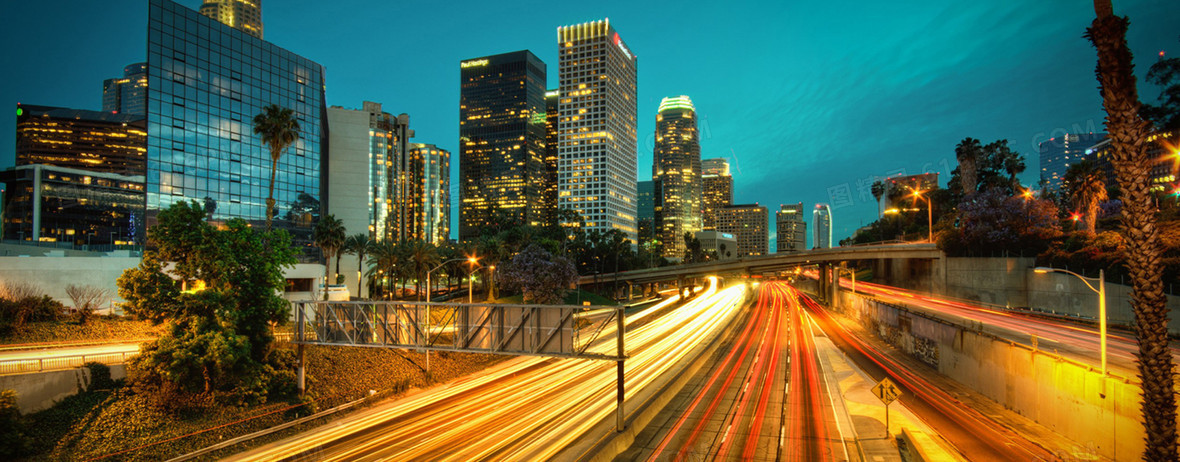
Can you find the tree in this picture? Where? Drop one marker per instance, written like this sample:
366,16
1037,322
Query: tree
1132,164
995,221
491,250
542,277
1087,191
1166,74
86,299
218,302
359,245
423,258
385,259
304,211
329,235
278,129
1014,165
968,152
878,191
693,252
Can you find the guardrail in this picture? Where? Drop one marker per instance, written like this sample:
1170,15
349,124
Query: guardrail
58,363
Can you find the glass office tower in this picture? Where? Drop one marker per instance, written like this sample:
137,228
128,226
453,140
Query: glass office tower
551,120
791,229
676,171
597,132
435,172
206,82
501,142
717,190
127,95
244,15
75,138
822,221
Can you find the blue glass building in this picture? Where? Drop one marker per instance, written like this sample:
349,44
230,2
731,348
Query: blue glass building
206,82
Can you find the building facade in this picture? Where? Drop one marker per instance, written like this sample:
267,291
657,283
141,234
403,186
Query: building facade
676,173
91,210
597,153
716,190
1059,152
373,173
1161,146
243,15
433,166
79,139
822,221
128,94
552,118
725,245
749,223
791,229
645,210
502,133
206,82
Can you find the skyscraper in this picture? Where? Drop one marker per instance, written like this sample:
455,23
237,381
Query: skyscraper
552,115
244,15
791,233
1059,152
435,177
206,82
646,212
502,120
676,172
822,220
749,223
717,190
85,140
597,131
372,172
127,95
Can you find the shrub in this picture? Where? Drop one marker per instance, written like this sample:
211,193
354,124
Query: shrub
13,441
86,299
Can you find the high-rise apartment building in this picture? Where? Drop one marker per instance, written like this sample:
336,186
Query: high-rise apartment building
243,15
128,94
1059,152
433,166
597,132
206,82
716,190
1159,147
791,235
749,223
822,221
502,121
676,172
372,172
552,116
79,139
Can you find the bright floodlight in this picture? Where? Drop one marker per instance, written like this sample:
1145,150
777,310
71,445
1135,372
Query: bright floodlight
1042,270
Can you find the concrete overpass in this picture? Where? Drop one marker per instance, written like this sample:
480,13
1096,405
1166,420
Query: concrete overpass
825,259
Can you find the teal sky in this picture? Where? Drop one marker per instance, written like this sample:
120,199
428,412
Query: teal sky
809,100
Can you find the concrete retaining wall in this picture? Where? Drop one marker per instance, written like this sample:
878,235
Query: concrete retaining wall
1067,397
40,390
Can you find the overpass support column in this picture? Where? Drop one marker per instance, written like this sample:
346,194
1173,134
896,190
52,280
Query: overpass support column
630,291
680,286
692,287
822,271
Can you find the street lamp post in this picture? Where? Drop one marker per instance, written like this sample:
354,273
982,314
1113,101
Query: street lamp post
1101,290
929,214
429,292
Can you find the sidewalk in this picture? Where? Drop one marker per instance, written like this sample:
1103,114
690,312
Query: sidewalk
864,413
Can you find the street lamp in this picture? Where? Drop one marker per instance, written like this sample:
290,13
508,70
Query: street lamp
850,272
1101,290
474,261
929,213
429,292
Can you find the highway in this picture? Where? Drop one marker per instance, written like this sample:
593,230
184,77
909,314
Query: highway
523,409
975,435
760,398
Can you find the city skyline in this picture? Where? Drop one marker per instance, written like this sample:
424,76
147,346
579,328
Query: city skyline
944,103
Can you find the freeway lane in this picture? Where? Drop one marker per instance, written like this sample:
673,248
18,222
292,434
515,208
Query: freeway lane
527,409
740,406
972,433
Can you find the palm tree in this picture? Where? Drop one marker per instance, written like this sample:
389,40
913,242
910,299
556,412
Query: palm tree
1014,165
279,129
328,235
1087,190
423,256
491,250
1132,164
968,152
384,262
878,191
358,244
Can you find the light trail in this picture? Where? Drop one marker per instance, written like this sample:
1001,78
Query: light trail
524,409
